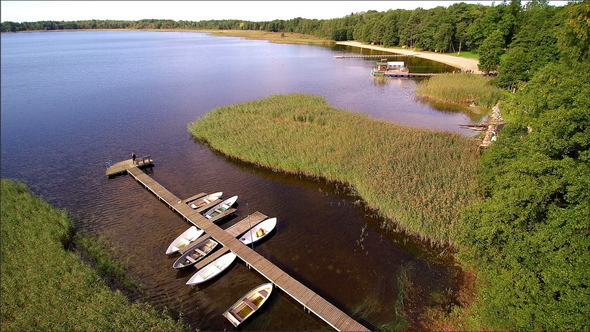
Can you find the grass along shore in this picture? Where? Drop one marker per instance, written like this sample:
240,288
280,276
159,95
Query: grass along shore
48,288
461,88
275,37
417,177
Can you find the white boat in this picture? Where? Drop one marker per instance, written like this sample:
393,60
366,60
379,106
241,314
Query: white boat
212,269
221,207
195,253
184,239
200,202
259,231
248,304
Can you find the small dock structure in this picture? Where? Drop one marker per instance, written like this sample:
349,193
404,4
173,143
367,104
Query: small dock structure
309,299
122,166
381,56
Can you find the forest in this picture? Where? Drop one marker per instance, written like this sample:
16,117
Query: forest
527,235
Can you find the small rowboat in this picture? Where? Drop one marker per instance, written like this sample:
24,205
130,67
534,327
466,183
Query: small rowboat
195,254
200,202
184,239
248,304
221,207
259,231
212,269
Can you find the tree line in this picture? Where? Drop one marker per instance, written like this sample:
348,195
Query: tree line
458,27
528,234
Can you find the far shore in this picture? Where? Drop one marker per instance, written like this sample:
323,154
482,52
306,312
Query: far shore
463,63
455,61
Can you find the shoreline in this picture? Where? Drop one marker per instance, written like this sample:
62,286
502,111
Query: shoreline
451,60
296,38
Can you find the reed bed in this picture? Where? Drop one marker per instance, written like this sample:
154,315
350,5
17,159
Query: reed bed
47,288
460,88
419,178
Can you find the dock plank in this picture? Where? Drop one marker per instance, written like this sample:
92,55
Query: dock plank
194,197
333,316
245,224
211,257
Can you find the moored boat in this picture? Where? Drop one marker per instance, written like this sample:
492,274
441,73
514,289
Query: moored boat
200,202
195,253
220,208
390,68
184,239
259,231
248,304
212,269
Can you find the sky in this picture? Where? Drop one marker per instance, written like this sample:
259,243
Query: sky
30,11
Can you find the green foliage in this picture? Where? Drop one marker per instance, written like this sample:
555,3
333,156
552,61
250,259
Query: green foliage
574,34
418,177
490,52
460,27
534,46
460,88
46,288
529,235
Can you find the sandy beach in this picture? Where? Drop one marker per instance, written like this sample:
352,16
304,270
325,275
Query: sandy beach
451,60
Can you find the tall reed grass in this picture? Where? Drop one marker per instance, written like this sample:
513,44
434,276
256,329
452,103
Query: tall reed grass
419,178
460,88
47,288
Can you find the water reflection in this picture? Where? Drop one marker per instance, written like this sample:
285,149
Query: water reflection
127,91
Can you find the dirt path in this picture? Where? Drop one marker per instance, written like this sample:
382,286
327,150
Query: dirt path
455,61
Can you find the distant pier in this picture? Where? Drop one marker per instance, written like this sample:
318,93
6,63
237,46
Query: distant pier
381,56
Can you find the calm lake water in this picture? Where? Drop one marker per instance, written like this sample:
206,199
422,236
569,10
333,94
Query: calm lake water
71,101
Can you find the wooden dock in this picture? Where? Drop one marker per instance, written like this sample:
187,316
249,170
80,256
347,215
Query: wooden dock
380,56
122,166
310,300
408,75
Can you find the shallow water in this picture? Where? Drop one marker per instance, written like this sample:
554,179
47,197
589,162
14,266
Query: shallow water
71,101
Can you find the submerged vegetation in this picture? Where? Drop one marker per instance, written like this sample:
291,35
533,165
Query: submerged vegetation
45,287
418,177
461,88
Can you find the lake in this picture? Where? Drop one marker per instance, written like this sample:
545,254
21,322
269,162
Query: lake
74,100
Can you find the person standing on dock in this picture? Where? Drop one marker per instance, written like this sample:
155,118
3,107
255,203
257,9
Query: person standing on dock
133,156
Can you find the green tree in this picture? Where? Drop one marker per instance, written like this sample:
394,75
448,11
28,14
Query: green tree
529,235
490,52
574,34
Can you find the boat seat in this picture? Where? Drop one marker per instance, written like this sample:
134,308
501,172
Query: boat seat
190,259
200,252
236,316
263,292
251,304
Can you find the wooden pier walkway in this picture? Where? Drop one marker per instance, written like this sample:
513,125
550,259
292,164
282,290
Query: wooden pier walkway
310,300
381,56
122,166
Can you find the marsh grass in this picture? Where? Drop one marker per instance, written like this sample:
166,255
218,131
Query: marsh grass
99,253
275,37
418,177
460,88
48,288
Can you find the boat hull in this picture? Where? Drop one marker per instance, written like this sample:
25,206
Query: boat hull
195,254
201,202
184,239
259,231
248,304
212,269
220,208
